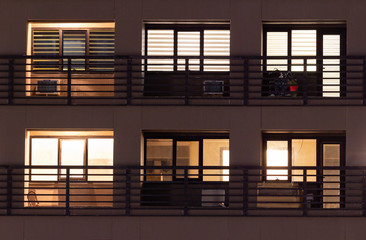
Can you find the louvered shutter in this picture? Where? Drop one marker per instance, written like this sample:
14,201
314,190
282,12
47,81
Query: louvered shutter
46,43
101,43
74,45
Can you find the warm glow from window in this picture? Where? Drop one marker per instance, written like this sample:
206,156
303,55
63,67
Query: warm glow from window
277,156
225,163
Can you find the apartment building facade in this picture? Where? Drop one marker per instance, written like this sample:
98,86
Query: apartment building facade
147,119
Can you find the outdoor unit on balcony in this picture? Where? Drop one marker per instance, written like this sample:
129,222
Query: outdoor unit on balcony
213,198
48,87
213,87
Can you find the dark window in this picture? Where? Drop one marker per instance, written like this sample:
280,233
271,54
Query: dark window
194,150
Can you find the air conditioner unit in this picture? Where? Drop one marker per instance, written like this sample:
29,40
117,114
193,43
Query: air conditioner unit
48,87
213,198
213,87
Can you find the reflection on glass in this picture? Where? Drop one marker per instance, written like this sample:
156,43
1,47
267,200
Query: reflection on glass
159,152
72,154
216,153
303,155
44,153
187,155
100,153
277,156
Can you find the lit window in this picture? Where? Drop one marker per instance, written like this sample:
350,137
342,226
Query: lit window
188,40
71,151
73,40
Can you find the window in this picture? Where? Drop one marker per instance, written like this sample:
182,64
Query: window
193,40
296,150
81,41
173,50
64,149
324,77
196,150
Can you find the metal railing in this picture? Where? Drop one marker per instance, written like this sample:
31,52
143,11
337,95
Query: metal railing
217,81
183,191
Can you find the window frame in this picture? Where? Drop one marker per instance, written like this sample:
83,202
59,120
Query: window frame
59,166
188,27
183,137
87,55
319,137
320,28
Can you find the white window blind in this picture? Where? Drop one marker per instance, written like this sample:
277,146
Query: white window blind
331,67
189,45
216,43
277,44
160,43
303,43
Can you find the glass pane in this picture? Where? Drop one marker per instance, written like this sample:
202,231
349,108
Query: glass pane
73,154
160,43
187,155
74,44
46,42
277,46
101,43
100,153
331,67
159,152
303,43
188,45
304,155
216,43
277,155
331,178
44,153
216,153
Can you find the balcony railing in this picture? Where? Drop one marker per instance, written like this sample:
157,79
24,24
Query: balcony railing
233,81
182,191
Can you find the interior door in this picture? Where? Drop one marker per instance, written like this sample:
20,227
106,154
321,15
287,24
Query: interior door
331,154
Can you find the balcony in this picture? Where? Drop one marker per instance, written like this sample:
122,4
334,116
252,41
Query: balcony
193,81
182,191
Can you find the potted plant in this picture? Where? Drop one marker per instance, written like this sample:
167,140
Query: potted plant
293,85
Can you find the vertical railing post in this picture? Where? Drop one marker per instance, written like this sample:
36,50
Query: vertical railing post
11,82
364,193
246,82
245,192
9,189
364,82
67,195
305,84
128,192
305,199
69,81
185,211
129,80
186,82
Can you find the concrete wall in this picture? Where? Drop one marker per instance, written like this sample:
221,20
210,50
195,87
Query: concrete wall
180,228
